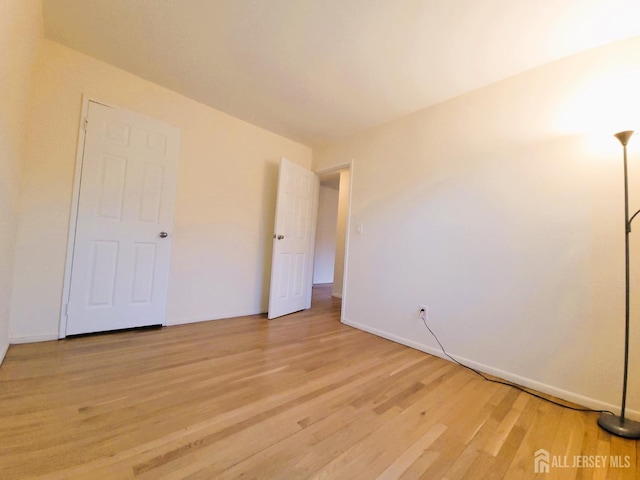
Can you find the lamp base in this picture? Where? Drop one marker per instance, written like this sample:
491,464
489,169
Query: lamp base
621,427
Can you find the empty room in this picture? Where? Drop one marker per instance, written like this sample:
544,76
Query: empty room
305,239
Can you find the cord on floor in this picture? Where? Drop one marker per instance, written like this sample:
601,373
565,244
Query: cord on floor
501,382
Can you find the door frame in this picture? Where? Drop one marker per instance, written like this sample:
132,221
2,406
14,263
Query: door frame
345,166
75,199
73,216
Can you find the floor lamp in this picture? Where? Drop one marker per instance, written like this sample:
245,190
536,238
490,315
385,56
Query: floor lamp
619,425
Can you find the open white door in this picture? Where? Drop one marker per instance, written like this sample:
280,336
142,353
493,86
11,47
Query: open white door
122,244
293,240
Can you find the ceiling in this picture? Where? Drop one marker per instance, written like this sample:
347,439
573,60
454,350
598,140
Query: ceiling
319,70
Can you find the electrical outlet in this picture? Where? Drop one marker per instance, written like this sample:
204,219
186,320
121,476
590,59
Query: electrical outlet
426,311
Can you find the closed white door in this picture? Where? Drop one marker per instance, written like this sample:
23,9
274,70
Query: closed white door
293,240
122,246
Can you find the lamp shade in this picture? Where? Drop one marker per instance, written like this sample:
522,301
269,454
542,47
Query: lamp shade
624,136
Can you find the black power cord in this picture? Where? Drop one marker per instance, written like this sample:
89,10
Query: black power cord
513,385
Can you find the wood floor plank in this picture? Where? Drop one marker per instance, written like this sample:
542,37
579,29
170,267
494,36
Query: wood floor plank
411,454
300,397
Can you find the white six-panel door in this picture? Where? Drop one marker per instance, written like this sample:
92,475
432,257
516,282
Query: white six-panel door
122,246
292,262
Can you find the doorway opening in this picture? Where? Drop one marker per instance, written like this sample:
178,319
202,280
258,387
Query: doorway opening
331,230
296,233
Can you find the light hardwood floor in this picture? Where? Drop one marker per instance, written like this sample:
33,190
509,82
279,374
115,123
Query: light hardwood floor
298,397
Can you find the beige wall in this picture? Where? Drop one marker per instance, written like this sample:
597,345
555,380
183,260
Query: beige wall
226,195
502,210
341,233
20,35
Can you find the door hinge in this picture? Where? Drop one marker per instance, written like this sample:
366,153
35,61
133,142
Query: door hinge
85,123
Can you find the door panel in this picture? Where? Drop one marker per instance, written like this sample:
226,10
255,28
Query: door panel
293,240
144,272
151,194
111,197
120,266
102,273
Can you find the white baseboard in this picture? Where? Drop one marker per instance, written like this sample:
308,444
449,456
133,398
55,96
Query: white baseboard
3,352
186,320
511,377
32,339
336,295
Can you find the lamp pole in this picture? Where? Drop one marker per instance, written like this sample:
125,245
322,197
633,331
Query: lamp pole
619,425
